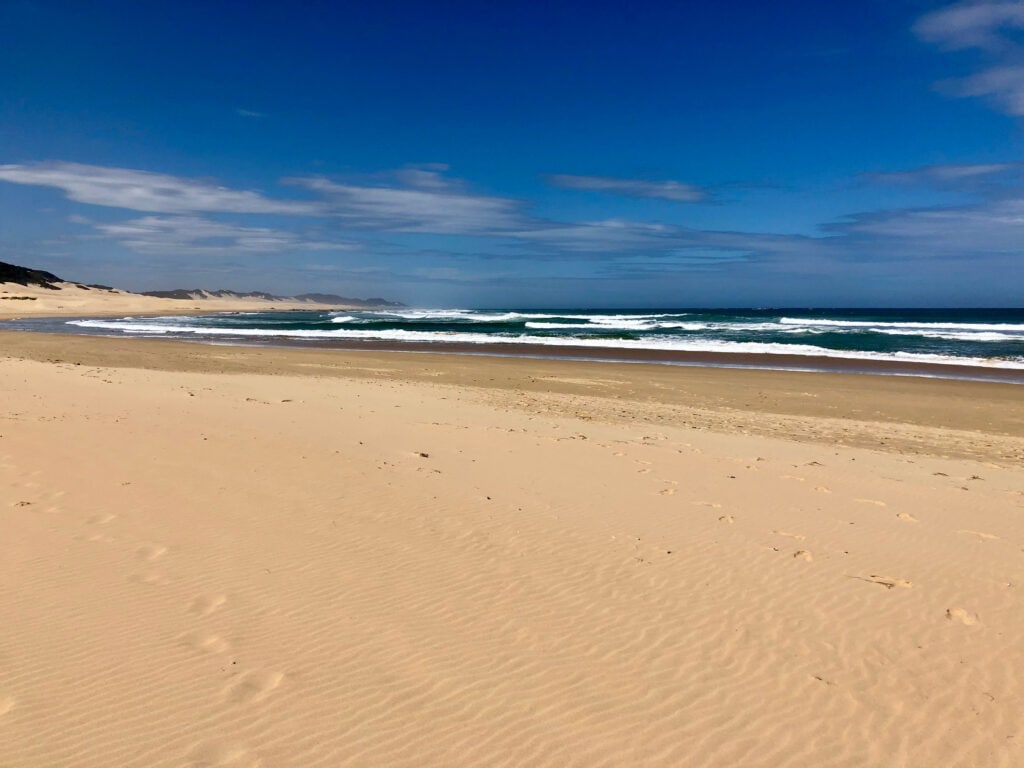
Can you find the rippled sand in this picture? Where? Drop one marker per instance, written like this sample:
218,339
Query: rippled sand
222,557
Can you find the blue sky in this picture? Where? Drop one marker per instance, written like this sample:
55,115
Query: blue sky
527,154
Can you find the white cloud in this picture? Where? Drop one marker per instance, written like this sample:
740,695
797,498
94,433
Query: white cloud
430,204
610,235
944,174
149,192
676,191
971,25
988,27
969,232
1004,85
198,235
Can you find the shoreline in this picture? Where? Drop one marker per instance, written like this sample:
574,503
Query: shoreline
738,360
822,406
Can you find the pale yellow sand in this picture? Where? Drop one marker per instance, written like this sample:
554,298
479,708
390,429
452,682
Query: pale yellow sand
72,299
220,557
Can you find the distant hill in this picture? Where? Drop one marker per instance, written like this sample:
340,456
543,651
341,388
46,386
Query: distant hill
12,273
198,294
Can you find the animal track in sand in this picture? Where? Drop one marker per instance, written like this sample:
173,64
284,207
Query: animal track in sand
982,536
727,519
214,753
803,554
712,504
253,687
822,489
204,605
150,552
964,617
906,517
207,642
876,502
667,491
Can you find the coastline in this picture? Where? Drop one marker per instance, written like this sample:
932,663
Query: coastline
18,302
253,556
757,361
934,404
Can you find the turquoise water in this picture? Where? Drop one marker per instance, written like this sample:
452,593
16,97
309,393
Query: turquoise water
991,338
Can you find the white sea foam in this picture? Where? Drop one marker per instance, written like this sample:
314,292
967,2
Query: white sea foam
654,342
1004,327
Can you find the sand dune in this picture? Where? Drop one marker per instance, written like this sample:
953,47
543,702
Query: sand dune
273,558
17,301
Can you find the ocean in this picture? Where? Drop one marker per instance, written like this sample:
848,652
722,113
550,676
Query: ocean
958,343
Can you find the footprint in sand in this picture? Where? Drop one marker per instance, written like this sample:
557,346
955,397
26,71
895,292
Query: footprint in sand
964,617
906,517
253,687
150,552
667,491
886,581
981,536
207,642
711,504
204,605
822,489
215,753
876,502
727,519
101,519
797,536
151,578
803,554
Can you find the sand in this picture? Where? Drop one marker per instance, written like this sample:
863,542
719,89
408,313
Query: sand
223,556
19,301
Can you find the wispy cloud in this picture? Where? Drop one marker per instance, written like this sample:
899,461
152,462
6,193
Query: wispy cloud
249,113
425,202
192,217
972,24
149,192
970,233
990,28
675,191
199,235
953,174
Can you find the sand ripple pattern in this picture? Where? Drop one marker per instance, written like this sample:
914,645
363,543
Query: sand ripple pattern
383,591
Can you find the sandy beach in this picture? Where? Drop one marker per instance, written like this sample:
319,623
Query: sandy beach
224,556
70,299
